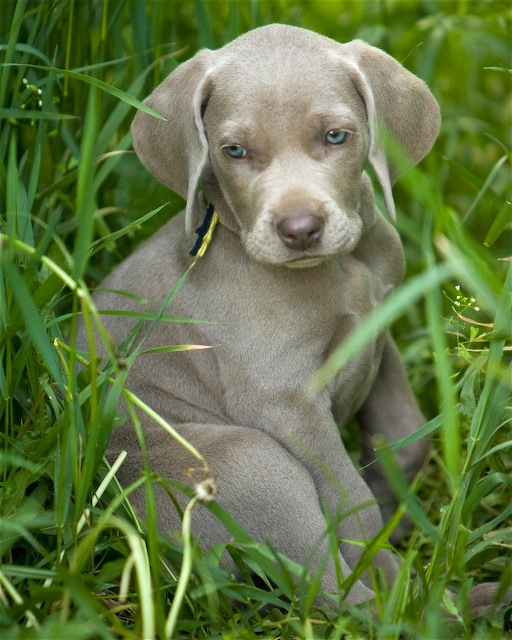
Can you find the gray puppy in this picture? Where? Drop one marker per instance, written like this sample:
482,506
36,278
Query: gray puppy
276,129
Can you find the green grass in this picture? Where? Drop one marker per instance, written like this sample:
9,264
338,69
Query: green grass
75,561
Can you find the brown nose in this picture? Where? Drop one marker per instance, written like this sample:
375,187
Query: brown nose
301,231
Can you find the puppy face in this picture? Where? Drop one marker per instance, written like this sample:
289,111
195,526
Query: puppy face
287,150
276,128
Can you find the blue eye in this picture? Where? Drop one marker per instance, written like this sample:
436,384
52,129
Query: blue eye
236,151
337,136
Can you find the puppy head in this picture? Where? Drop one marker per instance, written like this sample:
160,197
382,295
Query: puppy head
279,125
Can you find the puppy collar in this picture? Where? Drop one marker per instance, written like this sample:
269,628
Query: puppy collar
205,232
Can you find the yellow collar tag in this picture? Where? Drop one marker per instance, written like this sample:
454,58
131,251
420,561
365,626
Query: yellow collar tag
205,232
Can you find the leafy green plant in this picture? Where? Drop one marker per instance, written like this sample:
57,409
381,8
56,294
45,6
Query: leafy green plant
76,562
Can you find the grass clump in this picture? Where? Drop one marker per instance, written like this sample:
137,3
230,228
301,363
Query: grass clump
75,561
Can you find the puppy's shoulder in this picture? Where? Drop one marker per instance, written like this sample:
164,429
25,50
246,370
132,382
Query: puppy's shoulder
380,249
156,264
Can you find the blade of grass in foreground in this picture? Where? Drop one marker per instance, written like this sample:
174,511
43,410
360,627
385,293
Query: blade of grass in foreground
393,307
95,82
33,322
85,196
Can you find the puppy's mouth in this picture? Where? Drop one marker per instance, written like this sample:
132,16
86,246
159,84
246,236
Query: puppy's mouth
306,262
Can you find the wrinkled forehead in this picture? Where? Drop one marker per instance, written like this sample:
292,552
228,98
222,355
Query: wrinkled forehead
281,82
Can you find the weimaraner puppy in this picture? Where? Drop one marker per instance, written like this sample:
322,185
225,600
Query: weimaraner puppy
275,130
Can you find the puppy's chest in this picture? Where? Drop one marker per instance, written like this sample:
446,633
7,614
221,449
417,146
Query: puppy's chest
279,333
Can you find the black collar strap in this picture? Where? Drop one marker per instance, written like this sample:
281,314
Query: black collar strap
205,232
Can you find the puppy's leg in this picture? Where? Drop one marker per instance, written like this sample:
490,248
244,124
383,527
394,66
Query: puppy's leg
263,487
390,412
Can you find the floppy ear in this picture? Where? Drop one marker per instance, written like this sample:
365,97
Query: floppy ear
175,150
397,103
